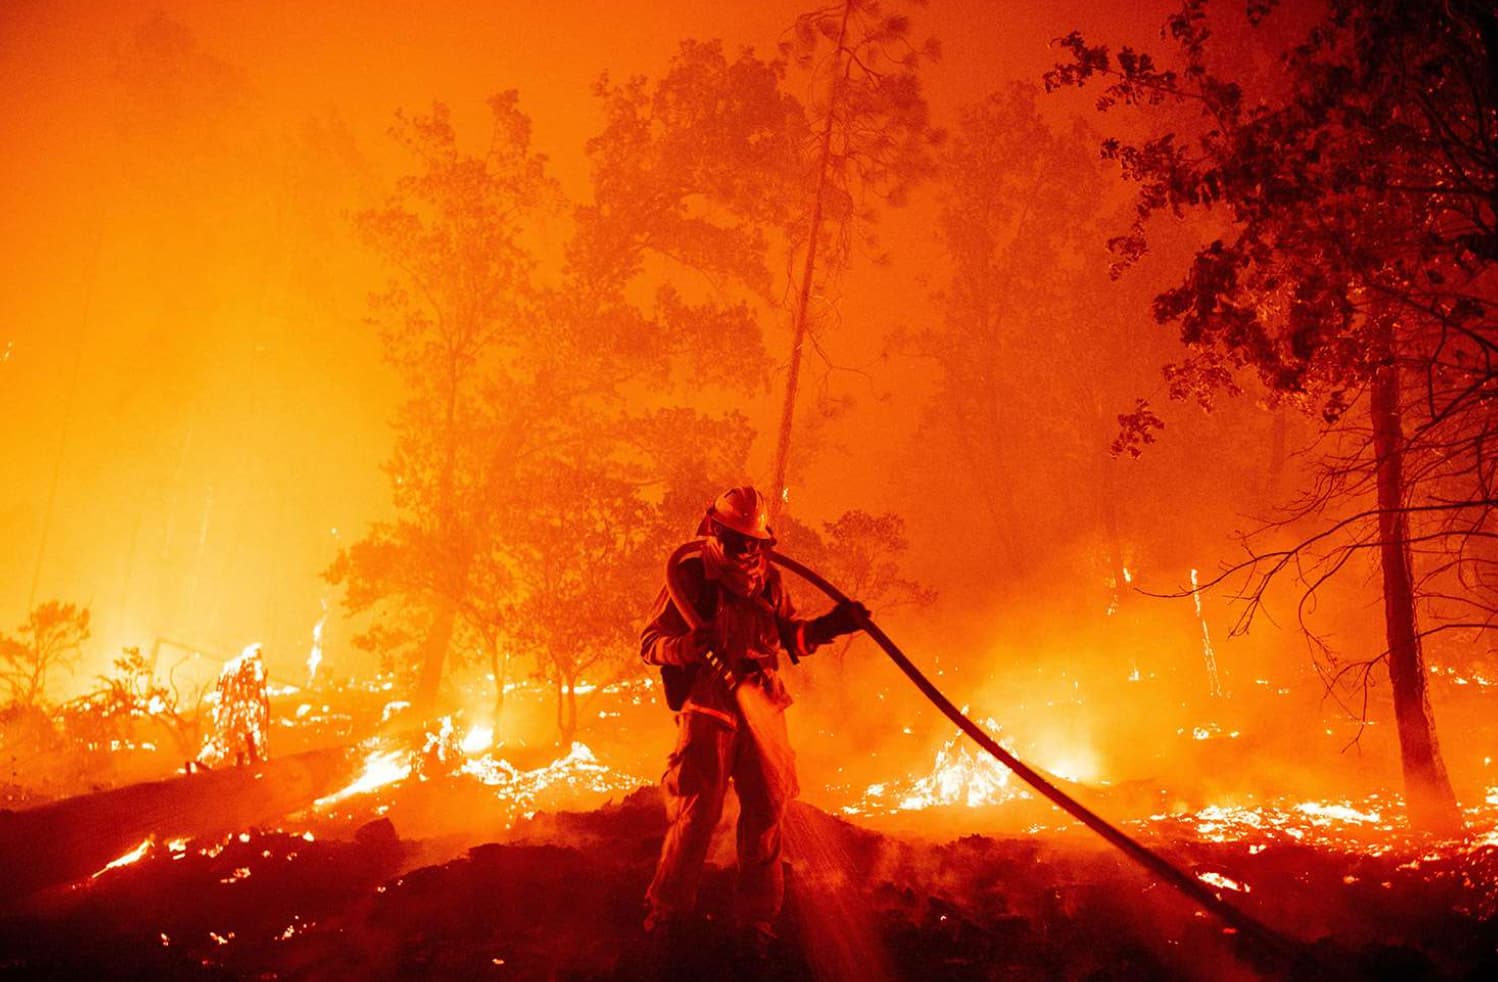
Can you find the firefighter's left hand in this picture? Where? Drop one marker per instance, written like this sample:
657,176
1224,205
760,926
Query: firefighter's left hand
845,618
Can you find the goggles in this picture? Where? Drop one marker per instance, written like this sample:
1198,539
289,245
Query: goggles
739,544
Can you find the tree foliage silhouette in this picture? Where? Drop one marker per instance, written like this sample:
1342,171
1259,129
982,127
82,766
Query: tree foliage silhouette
1354,281
547,437
50,640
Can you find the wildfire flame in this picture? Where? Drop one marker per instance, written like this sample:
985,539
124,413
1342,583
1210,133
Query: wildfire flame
1374,826
133,856
478,739
577,773
380,768
1363,827
314,657
1209,655
959,776
1323,814
241,712
442,754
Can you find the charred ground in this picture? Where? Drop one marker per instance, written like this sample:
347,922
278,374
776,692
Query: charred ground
559,895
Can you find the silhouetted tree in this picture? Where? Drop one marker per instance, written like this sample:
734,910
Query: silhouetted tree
1022,336
716,169
586,550
1355,280
1035,347
50,640
861,554
528,405
181,106
872,138
458,322
692,169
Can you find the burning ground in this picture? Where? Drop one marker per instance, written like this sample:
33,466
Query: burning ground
426,852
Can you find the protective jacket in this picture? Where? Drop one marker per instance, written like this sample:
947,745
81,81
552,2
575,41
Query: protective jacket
750,630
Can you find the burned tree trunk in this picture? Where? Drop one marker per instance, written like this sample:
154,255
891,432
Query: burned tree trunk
1106,482
1431,800
803,295
434,655
566,710
499,666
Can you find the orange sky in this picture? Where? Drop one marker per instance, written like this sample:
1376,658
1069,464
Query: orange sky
194,411
192,402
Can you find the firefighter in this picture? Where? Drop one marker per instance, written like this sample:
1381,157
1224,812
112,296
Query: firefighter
747,619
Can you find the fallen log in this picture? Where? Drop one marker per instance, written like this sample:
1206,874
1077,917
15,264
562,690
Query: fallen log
67,840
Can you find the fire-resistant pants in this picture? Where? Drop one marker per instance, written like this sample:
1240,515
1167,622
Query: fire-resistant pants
708,753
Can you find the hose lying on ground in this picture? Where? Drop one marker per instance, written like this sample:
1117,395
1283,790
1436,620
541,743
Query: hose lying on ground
1267,938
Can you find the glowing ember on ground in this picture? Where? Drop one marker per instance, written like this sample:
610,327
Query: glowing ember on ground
133,856
1323,814
1375,826
1223,882
1449,674
297,926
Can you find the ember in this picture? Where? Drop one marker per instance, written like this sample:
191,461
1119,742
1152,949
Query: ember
1227,883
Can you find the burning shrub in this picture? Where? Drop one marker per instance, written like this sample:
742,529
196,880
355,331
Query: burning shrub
241,713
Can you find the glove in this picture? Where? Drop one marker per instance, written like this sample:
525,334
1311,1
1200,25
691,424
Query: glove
845,618
690,648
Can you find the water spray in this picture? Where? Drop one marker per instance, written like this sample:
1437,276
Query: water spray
1268,939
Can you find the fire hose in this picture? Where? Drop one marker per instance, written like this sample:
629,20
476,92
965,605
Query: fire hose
1267,938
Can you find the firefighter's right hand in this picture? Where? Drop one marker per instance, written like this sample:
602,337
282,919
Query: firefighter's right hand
692,647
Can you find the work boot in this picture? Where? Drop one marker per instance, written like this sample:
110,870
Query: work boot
659,922
757,941
665,937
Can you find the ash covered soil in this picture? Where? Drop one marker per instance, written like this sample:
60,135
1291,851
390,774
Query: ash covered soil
560,898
